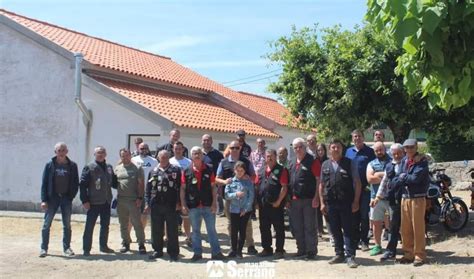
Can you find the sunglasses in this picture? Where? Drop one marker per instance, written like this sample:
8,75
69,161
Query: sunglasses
234,148
143,148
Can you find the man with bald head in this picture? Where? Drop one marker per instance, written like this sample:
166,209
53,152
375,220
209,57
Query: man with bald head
375,173
96,196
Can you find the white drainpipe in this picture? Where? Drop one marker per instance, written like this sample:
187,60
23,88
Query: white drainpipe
87,114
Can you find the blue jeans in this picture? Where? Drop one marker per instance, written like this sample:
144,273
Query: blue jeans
66,210
195,216
95,210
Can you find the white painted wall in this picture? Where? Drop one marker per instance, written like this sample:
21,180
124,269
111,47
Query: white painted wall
37,110
288,135
112,123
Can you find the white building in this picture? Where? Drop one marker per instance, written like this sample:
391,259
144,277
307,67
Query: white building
60,85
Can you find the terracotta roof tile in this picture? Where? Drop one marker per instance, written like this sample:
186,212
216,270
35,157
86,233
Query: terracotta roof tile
187,111
125,59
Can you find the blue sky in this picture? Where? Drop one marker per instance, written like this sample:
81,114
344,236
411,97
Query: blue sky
222,40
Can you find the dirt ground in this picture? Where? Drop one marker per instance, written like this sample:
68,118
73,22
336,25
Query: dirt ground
450,256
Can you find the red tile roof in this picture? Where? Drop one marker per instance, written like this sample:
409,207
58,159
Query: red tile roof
132,61
187,111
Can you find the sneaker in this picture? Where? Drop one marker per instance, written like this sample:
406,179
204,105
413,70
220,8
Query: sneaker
141,249
232,254
404,260
86,254
196,257
68,252
364,247
351,262
252,251
125,248
107,250
265,253
337,259
376,250
278,255
155,255
43,253
218,257
418,262
388,255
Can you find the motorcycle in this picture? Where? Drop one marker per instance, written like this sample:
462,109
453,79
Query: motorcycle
451,211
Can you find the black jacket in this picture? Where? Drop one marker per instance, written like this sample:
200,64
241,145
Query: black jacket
47,185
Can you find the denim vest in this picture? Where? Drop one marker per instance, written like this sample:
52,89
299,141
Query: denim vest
378,166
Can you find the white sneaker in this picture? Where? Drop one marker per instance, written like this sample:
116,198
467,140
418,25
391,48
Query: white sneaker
43,253
68,252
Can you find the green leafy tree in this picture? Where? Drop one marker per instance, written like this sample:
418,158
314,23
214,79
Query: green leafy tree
451,134
437,37
341,80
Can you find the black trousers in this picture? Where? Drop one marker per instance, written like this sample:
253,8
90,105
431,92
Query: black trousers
395,222
340,222
93,213
269,216
159,215
238,228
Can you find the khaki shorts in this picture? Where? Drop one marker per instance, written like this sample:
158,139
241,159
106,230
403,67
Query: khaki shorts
378,212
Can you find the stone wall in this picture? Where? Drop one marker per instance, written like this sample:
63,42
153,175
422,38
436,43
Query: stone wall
459,173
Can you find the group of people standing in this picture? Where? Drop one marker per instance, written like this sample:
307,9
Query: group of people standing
181,188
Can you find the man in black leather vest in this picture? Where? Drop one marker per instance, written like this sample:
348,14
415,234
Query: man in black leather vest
272,189
304,174
339,191
162,201
199,199
96,195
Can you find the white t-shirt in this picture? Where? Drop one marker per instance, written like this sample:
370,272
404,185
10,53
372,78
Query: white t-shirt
184,163
148,164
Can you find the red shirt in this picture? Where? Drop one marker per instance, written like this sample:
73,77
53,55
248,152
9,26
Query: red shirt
198,175
283,177
315,170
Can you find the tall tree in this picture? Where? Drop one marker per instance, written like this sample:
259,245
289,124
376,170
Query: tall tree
438,41
341,80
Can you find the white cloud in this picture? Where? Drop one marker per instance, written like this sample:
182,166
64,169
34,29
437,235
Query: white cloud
226,64
175,43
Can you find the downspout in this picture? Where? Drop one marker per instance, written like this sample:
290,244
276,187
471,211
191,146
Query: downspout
86,113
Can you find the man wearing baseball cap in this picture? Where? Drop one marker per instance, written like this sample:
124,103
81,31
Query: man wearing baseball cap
413,180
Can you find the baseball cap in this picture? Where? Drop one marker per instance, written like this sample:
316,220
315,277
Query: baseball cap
410,142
